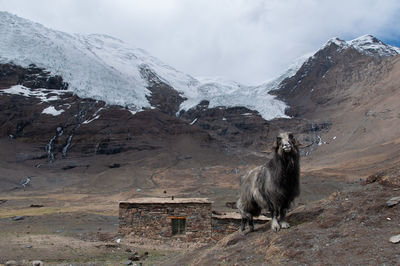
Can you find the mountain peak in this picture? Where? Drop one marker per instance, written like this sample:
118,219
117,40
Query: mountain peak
337,42
367,44
366,38
371,46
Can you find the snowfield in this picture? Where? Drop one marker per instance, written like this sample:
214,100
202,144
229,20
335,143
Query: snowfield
105,68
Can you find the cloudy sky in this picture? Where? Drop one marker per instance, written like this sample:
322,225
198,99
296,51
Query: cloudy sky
249,41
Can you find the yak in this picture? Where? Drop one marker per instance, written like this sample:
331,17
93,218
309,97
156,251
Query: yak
272,186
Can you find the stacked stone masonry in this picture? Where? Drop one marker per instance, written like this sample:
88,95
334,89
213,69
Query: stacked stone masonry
152,218
223,225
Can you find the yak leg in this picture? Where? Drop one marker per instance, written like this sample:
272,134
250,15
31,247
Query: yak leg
243,225
274,223
251,224
282,219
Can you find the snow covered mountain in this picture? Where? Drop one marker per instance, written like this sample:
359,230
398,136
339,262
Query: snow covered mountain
322,77
50,82
96,66
105,68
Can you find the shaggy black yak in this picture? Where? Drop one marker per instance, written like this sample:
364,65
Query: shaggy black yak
272,186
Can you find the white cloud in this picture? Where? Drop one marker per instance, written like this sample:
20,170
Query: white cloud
245,40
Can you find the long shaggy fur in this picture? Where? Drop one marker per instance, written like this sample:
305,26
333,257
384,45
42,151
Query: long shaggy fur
272,186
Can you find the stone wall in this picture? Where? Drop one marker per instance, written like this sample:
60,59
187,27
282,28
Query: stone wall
228,223
223,227
153,220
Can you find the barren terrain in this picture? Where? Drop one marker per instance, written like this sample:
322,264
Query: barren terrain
71,214
77,217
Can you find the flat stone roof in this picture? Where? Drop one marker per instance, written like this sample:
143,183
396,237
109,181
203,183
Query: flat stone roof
236,216
168,200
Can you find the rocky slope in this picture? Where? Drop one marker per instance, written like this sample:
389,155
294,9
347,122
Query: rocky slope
327,77
36,108
350,227
356,94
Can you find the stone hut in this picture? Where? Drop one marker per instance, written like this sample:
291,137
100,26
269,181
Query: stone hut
188,219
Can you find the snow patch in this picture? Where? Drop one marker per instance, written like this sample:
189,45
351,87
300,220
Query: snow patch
90,120
52,111
193,122
42,94
132,112
319,140
18,90
338,42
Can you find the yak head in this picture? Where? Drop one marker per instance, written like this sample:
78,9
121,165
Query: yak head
286,143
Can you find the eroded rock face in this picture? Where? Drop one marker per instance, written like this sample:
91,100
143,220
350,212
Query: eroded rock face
32,77
163,96
236,125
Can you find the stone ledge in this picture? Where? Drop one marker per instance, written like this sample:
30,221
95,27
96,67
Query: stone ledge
168,200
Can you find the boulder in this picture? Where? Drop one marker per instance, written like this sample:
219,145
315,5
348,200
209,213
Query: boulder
393,201
395,239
